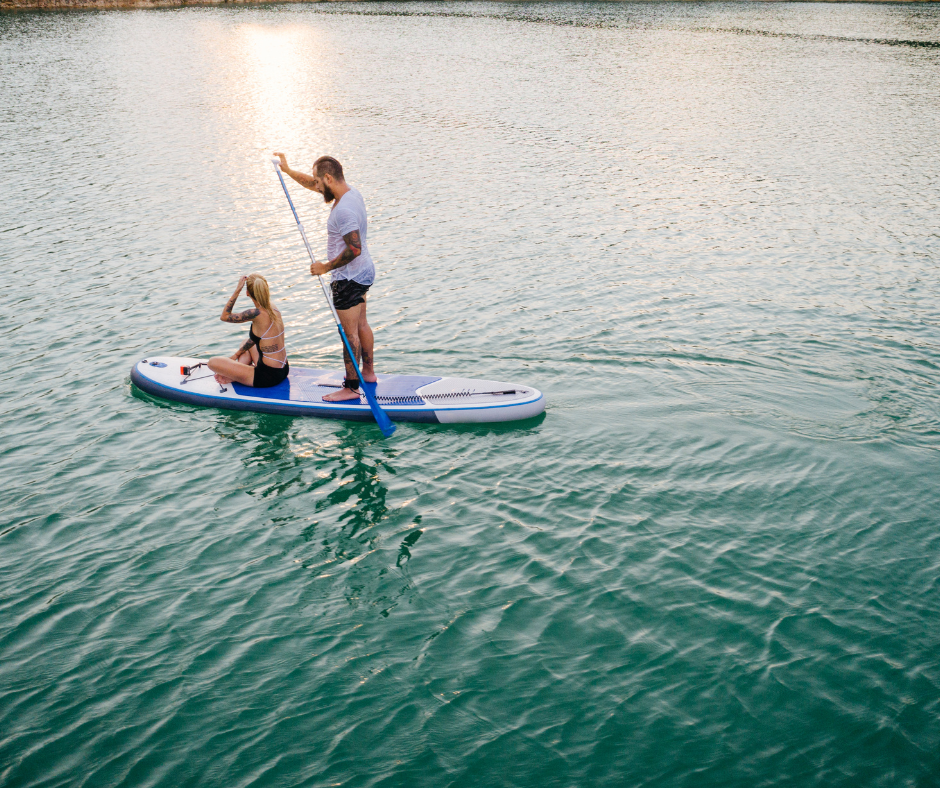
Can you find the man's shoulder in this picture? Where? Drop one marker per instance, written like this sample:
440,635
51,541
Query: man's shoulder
350,207
356,196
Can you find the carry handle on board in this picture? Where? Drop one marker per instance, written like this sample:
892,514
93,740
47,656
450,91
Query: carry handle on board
381,418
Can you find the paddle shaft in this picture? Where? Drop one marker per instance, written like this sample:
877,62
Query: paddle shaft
381,418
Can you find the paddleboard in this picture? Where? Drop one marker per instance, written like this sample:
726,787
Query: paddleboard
423,398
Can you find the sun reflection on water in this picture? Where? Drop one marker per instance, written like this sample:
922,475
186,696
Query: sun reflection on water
274,92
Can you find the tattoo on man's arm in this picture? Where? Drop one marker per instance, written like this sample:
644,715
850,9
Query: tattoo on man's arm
353,243
307,181
345,258
351,252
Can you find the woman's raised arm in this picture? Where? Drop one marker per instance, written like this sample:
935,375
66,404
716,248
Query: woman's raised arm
238,317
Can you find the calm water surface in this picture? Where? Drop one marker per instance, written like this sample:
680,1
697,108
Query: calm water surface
708,232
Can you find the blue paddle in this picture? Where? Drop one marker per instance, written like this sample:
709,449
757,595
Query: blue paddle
381,418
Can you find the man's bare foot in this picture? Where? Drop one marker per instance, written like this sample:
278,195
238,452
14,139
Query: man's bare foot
342,395
369,377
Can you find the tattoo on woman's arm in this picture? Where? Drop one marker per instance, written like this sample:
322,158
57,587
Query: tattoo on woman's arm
243,317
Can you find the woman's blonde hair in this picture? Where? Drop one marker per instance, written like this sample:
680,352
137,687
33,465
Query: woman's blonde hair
258,290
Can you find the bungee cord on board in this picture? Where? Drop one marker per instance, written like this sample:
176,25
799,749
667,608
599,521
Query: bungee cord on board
420,398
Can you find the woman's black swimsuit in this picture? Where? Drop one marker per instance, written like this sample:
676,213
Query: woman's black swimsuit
266,376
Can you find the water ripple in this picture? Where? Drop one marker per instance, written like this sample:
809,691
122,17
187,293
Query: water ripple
706,231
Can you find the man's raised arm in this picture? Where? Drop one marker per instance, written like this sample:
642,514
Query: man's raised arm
302,178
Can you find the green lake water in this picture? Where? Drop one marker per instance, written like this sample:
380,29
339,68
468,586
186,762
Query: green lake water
709,233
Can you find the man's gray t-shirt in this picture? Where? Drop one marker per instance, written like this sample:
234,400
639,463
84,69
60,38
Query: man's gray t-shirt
348,214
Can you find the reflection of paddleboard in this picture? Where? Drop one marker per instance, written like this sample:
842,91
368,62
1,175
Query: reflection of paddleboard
426,398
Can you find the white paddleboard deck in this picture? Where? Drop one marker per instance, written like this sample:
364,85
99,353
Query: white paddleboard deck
423,398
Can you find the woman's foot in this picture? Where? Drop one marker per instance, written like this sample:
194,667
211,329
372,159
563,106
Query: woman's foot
222,380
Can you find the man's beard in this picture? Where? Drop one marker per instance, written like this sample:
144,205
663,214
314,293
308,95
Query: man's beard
328,196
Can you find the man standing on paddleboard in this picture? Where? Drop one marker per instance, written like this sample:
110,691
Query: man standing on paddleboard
353,271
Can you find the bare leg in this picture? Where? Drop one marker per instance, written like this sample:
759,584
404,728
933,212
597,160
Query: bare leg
249,357
227,371
367,344
350,320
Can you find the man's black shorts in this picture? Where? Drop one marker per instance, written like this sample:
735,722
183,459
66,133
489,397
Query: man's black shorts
347,293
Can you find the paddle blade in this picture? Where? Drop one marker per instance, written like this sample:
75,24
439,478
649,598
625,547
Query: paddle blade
384,422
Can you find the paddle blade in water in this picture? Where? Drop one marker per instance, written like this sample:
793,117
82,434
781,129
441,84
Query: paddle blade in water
381,418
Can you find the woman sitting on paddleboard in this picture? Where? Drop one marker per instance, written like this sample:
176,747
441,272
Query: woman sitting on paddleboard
261,361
